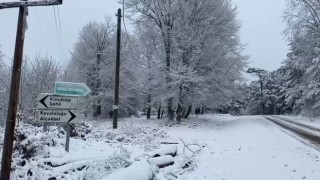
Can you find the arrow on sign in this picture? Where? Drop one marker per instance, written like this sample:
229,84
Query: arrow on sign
73,116
56,116
49,101
42,101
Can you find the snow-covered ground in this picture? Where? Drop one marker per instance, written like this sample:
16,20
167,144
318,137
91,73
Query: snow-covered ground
217,147
250,148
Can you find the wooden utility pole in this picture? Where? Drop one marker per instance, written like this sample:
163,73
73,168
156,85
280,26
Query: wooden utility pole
116,89
15,81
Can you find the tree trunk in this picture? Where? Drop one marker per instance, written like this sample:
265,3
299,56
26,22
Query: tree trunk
149,112
202,110
179,113
149,58
111,114
159,112
188,112
168,78
97,109
149,107
162,113
167,38
262,96
197,111
97,88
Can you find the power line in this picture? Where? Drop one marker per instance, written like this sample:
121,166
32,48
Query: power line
57,31
60,28
124,25
32,43
125,28
40,27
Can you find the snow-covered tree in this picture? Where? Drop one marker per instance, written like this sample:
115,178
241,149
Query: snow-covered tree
38,76
262,75
153,73
303,20
93,62
92,58
162,14
201,50
4,88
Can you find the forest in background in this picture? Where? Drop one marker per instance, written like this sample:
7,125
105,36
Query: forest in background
293,88
182,56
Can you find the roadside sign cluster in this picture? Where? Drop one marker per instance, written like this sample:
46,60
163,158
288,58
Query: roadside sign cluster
61,106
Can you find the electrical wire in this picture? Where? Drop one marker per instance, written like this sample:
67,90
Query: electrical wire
60,29
57,31
124,24
125,28
41,29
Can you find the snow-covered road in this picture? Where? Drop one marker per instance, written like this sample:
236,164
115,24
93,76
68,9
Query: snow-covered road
248,148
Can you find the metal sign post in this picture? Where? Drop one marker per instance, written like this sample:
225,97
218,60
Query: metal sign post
67,137
61,106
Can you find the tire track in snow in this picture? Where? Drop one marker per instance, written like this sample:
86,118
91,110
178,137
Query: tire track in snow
307,133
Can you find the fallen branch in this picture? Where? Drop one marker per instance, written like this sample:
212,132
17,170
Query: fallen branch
143,131
169,143
186,146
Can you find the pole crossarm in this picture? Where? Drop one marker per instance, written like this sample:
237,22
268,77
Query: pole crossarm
6,5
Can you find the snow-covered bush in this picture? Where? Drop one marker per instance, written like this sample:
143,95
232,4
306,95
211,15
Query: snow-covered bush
30,141
32,144
80,130
127,133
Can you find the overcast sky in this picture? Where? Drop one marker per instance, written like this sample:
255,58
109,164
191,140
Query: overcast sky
261,28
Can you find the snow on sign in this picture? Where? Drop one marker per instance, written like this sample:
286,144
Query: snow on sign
49,101
56,116
71,89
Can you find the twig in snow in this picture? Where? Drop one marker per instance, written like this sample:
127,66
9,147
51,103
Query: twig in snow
143,131
169,143
186,146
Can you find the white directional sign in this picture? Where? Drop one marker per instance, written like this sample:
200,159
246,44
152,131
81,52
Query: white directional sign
49,101
56,116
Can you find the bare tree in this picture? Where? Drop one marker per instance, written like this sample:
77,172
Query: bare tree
38,76
4,88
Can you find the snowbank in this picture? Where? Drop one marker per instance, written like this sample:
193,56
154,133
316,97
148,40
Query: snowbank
138,171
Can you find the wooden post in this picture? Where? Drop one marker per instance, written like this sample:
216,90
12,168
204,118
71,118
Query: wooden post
13,100
15,81
117,79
